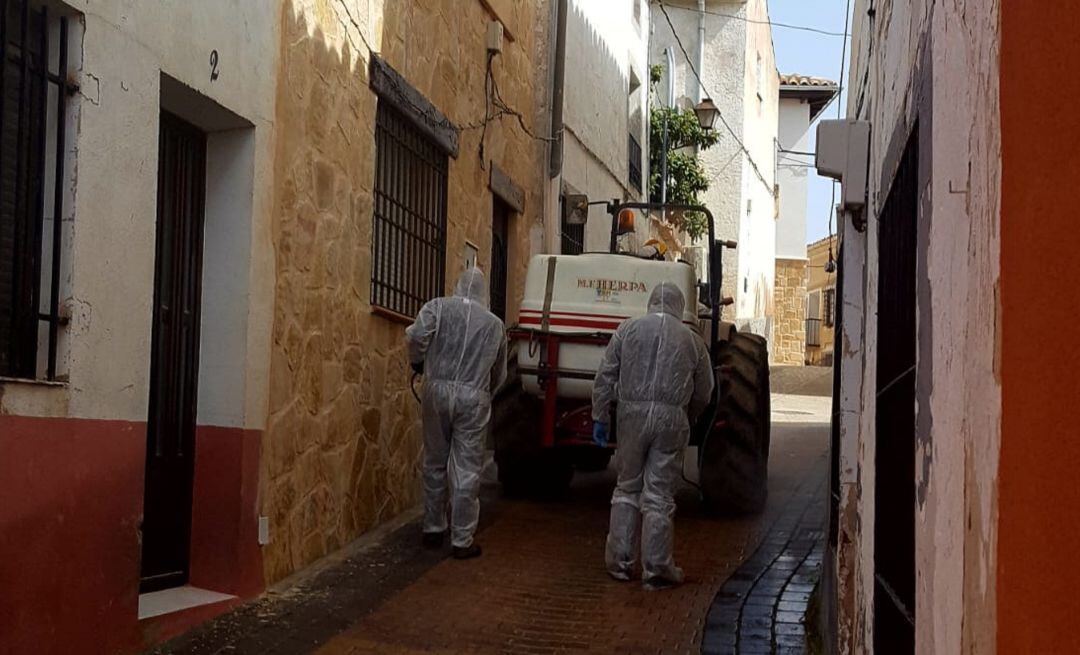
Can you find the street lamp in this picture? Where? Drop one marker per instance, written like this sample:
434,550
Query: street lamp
707,113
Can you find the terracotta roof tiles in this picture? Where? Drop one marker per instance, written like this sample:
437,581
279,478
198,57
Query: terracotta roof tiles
794,79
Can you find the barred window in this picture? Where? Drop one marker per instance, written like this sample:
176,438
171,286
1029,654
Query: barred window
409,230
572,234
634,151
33,96
830,307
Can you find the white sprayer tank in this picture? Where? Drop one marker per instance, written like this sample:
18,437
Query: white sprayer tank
587,295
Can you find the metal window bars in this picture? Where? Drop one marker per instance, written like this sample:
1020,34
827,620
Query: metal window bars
813,332
572,235
409,227
830,307
31,94
635,163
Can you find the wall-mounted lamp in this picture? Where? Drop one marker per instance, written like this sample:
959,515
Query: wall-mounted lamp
707,113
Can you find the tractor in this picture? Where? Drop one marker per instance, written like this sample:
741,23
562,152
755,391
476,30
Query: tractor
572,305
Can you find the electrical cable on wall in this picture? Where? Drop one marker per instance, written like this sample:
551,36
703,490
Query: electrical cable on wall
753,164
492,97
839,114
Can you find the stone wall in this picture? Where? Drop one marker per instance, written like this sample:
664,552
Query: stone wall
789,328
342,442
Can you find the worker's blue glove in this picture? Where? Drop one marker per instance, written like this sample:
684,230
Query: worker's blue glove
600,434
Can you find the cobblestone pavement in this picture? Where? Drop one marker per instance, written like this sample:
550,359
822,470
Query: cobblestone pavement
540,586
762,607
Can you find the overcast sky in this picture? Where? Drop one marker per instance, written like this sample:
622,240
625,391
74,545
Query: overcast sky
809,53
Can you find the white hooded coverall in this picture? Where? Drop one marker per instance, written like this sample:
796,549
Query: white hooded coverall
463,348
657,370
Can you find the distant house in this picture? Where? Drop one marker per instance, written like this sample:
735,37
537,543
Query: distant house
820,301
802,101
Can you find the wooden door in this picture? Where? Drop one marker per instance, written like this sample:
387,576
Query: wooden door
174,366
500,256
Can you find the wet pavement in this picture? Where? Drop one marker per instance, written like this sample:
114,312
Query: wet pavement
540,586
762,607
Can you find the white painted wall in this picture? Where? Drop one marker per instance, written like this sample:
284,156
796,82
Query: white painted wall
606,50
757,242
125,49
792,172
585,173
741,204
226,282
958,410
724,78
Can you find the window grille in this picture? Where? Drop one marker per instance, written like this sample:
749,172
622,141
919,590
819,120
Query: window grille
409,229
830,307
572,234
33,103
813,332
635,163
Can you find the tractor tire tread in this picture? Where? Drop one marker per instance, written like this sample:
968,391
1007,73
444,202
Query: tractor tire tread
734,461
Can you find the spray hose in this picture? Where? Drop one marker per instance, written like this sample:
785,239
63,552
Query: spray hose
412,385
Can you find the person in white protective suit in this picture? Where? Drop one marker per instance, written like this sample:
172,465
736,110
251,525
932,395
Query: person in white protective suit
460,347
659,373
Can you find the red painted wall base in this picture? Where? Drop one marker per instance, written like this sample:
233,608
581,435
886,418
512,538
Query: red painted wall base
71,493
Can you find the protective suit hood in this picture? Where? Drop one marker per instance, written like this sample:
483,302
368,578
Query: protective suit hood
668,299
473,287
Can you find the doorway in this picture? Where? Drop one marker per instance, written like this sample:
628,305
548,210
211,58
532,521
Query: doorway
500,255
894,466
174,363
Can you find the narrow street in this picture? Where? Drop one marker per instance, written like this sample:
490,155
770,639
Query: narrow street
274,274
540,586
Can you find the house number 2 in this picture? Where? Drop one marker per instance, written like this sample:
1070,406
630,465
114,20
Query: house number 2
213,65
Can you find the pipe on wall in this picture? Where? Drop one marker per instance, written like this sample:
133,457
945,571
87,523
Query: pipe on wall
556,161
699,92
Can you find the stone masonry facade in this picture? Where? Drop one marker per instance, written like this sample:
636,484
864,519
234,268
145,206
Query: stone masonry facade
789,327
342,444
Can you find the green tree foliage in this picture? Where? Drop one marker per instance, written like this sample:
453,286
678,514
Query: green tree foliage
686,177
656,71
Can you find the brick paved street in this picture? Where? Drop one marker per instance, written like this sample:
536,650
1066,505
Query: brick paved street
761,607
540,586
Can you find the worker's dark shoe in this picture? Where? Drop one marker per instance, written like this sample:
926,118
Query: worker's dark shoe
658,584
468,552
433,539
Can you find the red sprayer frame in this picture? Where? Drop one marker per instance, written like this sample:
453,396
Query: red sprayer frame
548,376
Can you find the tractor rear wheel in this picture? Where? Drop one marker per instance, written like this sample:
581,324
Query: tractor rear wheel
541,474
527,469
734,459
591,459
